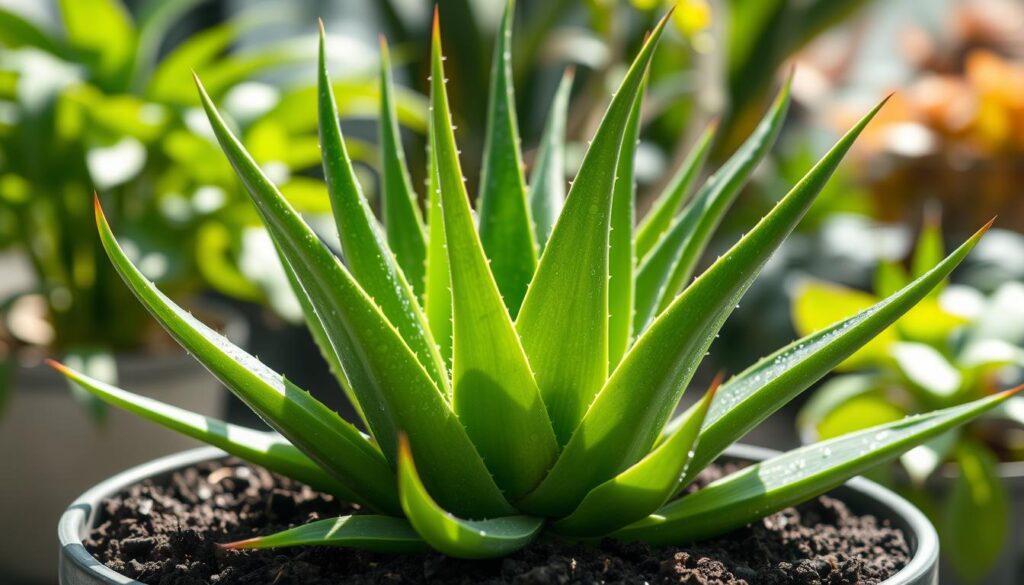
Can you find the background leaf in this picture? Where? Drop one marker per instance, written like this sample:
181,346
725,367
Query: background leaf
976,514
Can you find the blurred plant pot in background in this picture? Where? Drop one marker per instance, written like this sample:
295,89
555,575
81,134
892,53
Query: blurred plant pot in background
52,449
78,567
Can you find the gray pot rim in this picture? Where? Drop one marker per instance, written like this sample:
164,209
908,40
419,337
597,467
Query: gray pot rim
81,515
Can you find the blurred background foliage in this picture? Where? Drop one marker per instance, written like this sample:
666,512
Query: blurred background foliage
96,96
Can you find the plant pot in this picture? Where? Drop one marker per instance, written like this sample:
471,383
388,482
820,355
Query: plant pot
52,449
78,567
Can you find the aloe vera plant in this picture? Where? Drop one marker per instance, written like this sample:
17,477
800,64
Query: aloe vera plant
483,425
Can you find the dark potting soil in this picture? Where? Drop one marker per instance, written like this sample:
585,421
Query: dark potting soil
166,533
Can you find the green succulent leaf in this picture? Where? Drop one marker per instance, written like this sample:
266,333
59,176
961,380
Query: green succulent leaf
632,407
505,227
658,219
467,539
403,221
318,431
493,389
621,255
796,476
383,534
393,388
438,296
268,450
643,488
363,245
321,338
564,319
817,305
749,398
547,181
99,364
671,263
975,519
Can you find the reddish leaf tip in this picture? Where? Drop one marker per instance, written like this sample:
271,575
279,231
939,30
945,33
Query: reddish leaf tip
98,207
437,22
404,450
715,385
238,544
57,366
1011,391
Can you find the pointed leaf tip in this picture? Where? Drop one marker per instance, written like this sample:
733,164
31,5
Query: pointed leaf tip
323,32
436,27
1011,391
57,366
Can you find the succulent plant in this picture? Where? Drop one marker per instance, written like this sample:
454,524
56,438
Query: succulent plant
505,394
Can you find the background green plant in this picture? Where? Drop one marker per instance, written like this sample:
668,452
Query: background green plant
99,106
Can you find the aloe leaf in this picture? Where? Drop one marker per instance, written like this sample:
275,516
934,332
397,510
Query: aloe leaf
547,182
505,227
752,396
268,450
564,319
317,330
621,255
383,534
644,487
399,392
629,412
333,443
333,292
467,539
671,263
363,245
795,476
658,219
493,389
403,221
99,364
438,296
